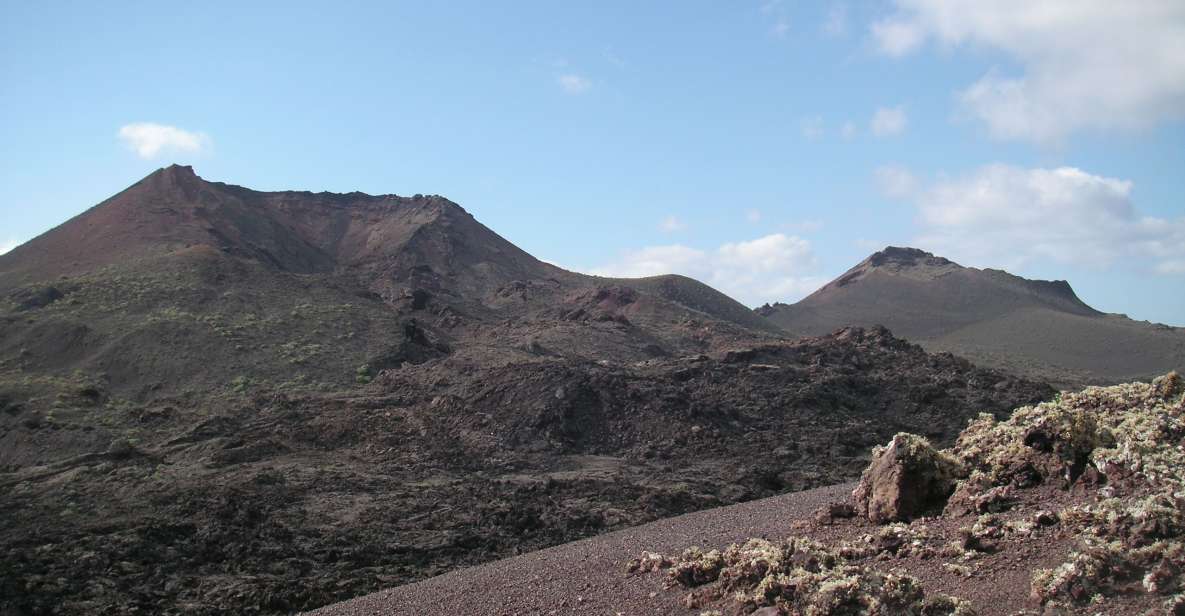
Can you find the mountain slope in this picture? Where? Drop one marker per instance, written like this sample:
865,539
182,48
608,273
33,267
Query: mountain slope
1034,327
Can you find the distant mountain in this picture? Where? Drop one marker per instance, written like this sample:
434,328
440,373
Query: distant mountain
1034,327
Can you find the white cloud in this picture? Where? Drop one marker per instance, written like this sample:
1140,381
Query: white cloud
8,244
848,131
836,23
1011,216
888,121
148,139
812,127
895,181
671,224
1085,64
775,267
573,83
753,216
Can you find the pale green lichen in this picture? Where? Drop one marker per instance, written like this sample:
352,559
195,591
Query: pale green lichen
1126,433
1124,542
1131,436
802,576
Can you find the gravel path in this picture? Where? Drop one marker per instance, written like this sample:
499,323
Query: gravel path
588,577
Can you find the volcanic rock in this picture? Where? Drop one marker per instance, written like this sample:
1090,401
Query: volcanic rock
906,479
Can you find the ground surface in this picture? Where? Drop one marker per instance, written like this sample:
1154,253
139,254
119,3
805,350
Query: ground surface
588,577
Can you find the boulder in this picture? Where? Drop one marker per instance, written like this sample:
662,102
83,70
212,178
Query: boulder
906,479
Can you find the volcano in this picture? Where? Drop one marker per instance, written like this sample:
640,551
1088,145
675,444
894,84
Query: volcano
994,318
179,281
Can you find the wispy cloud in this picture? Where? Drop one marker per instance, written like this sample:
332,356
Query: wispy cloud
776,10
573,83
149,140
8,244
836,23
612,58
753,216
812,127
1176,266
671,224
848,131
888,121
895,181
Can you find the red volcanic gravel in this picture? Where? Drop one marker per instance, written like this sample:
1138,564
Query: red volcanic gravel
588,577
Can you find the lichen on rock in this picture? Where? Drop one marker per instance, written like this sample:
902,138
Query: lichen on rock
800,576
1124,444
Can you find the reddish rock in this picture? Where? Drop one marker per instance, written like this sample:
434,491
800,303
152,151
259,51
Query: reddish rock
905,480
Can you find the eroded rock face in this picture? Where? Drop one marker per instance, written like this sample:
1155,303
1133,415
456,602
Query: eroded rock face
906,479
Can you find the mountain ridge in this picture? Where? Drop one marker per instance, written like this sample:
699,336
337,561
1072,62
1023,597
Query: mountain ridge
176,258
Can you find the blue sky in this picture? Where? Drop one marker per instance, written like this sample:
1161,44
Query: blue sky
763,147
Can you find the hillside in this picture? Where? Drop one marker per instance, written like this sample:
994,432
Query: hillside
221,401
306,289
1034,327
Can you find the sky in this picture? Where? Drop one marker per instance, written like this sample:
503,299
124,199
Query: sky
763,147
